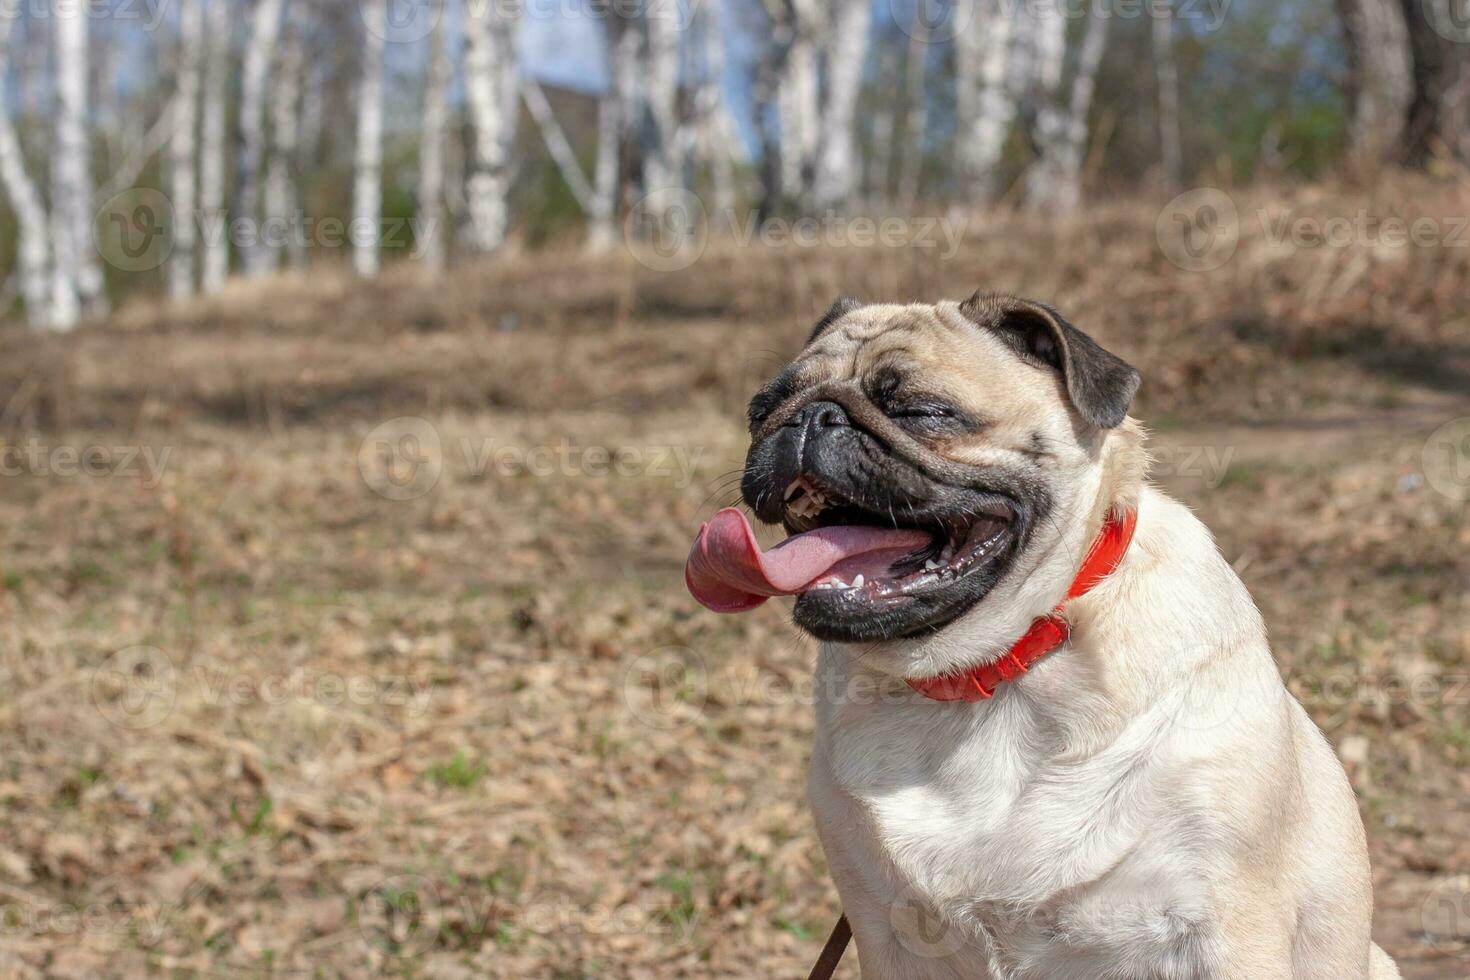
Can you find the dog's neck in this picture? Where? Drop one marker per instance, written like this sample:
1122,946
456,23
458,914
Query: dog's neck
1046,633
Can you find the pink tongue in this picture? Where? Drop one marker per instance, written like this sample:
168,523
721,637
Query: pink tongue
727,571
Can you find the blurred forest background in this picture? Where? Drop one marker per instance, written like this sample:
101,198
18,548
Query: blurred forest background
367,366
284,132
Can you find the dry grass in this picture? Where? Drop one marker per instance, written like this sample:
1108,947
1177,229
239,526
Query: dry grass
483,730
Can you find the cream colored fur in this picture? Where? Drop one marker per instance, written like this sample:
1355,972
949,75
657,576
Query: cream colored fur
1147,802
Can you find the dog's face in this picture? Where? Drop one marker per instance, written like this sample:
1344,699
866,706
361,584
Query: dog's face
984,423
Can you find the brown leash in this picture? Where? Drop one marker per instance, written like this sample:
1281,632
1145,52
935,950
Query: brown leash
832,952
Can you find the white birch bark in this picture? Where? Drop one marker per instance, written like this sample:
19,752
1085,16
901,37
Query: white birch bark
663,158
265,23
555,138
613,108
181,156
799,111
25,200
988,94
490,90
1170,152
215,262
280,179
71,191
836,175
367,183
430,244
1054,182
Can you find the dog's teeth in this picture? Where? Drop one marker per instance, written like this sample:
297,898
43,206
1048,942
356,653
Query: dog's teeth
791,489
931,564
857,583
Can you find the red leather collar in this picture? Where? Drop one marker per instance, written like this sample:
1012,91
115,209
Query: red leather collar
1046,633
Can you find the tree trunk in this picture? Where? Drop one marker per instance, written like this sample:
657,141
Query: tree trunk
837,170
25,200
613,109
71,191
265,25
1171,155
916,107
1439,113
216,257
431,152
280,178
663,161
1054,183
879,158
1380,76
987,97
367,167
490,90
715,138
799,118
557,144
182,160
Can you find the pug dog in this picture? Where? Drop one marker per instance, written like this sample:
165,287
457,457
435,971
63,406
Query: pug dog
1051,739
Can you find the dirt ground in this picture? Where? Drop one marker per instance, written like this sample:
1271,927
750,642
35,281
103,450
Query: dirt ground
342,629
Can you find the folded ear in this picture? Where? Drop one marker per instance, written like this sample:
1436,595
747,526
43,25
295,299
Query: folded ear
1100,384
840,308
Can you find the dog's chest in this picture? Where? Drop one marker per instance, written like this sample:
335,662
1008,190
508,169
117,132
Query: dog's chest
981,840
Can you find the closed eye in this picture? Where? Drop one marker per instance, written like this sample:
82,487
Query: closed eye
933,416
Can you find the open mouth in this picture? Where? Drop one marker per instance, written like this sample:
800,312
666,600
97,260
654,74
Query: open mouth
861,569
960,543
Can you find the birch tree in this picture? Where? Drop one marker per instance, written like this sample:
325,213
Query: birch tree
181,154
367,184
215,264
717,136
916,109
265,22
798,99
1054,182
280,178
490,91
1167,80
1439,112
663,156
431,150
845,55
30,213
71,191
1380,76
614,110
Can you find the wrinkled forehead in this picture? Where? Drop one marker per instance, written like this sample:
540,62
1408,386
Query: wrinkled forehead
932,348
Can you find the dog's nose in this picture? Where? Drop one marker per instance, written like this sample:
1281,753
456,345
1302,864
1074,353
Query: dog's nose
821,415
